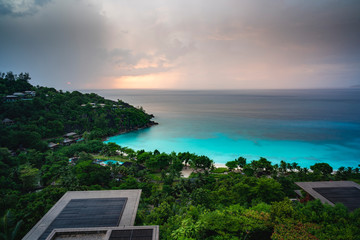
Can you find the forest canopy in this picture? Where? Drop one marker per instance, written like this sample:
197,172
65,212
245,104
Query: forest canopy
50,113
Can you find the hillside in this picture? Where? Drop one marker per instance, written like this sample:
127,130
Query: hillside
31,114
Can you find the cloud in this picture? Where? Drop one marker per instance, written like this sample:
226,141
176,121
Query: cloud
183,44
57,44
21,7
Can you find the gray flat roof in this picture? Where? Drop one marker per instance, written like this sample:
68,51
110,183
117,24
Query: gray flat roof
331,192
93,212
79,208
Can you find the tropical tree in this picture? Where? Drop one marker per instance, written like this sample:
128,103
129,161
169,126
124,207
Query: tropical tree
201,162
29,176
110,149
9,227
231,165
241,161
262,166
322,168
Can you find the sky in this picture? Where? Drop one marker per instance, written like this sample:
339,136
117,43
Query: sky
182,44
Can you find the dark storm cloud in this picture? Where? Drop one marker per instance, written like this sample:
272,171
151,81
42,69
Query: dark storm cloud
57,45
20,8
295,36
332,26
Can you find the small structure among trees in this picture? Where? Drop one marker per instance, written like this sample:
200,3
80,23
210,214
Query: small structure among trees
7,121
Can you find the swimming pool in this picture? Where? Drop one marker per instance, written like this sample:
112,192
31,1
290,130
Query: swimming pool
112,162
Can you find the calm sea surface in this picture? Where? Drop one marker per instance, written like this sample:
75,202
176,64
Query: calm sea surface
304,126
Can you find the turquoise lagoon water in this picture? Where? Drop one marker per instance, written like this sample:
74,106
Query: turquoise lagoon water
112,161
303,126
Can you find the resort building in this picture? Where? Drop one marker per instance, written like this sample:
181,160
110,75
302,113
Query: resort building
30,93
71,138
52,145
27,95
7,121
70,134
11,98
68,141
331,192
19,94
105,215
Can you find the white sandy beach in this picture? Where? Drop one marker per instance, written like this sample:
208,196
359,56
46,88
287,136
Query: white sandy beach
187,170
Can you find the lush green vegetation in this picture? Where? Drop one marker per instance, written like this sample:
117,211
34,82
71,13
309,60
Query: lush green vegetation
251,204
249,201
52,113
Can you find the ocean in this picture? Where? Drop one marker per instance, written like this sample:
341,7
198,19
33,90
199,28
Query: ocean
303,126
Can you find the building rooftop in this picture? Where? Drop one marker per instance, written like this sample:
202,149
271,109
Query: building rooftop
70,134
331,192
51,145
88,210
67,140
7,120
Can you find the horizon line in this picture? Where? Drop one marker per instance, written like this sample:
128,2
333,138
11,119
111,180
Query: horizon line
225,89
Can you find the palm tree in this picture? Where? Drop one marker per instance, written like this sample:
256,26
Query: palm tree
8,232
289,166
283,166
295,166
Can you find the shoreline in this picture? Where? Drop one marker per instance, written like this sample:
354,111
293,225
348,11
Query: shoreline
148,125
220,165
216,164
